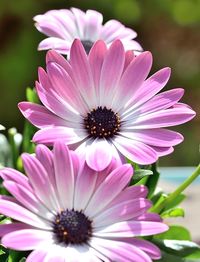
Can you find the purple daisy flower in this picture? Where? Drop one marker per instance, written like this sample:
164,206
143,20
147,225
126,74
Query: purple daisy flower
63,26
65,211
103,106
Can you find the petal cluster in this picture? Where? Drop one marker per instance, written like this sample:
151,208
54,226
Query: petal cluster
114,79
63,26
59,180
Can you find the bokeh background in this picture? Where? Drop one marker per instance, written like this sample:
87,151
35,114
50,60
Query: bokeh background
170,29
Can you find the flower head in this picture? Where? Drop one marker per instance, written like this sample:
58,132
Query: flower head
63,26
65,211
103,106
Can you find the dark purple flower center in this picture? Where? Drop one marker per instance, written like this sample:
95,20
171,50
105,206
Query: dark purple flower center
102,122
72,227
87,44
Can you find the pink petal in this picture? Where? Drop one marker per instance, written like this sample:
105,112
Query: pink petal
121,212
152,250
117,179
62,19
149,88
58,44
82,73
40,182
8,228
163,151
129,56
48,136
9,198
45,156
15,176
80,19
96,58
113,30
53,101
36,255
85,185
94,21
131,229
149,217
105,172
162,101
164,118
112,69
135,151
53,56
27,199
98,154
119,251
155,137
133,78
64,175
21,214
132,45
39,116
64,87
27,239
49,26
130,192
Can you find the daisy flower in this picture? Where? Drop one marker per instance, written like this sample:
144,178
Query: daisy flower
63,26
65,211
103,106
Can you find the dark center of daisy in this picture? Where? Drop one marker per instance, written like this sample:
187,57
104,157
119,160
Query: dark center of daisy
72,227
102,122
87,44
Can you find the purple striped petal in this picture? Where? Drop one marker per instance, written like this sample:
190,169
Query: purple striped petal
135,151
119,251
118,179
131,229
39,116
64,175
27,239
122,211
49,136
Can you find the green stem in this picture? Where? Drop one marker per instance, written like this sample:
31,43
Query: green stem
177,192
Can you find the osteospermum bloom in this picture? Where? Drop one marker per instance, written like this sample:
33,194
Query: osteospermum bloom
63,26
103,106
65,211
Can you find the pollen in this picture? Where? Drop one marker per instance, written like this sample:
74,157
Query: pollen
102,123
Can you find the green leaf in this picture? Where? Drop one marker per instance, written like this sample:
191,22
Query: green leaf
155,197
31,95
174,212
175,232
162,197
195,255
16,256
29,131
23,259
180,248
175,202
170,258
1,252
139,174
153,180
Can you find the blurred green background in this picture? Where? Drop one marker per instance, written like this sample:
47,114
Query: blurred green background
170,29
